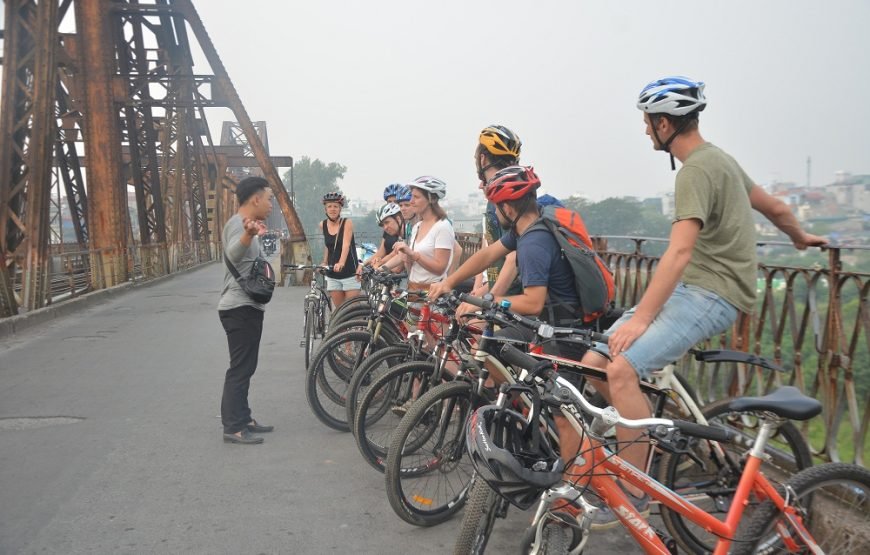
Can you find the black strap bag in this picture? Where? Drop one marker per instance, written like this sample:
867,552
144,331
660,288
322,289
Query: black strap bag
260,283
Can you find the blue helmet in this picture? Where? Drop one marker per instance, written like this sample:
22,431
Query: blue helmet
675,96
549,200
392,190
404,194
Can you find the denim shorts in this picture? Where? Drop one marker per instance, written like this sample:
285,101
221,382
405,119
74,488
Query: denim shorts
346,284
689,316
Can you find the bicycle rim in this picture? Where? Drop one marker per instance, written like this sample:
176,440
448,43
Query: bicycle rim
372,368
427,474
383,406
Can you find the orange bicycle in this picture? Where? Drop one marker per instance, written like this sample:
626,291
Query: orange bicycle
515,465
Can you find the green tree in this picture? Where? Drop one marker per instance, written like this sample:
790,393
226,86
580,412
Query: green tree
311,180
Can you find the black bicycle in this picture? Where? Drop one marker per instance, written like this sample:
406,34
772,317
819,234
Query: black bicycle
317,307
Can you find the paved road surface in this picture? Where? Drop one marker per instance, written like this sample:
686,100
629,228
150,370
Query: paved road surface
110,442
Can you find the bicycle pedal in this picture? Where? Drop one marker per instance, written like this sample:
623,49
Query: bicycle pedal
302,343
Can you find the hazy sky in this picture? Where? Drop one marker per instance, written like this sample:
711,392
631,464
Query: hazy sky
397,89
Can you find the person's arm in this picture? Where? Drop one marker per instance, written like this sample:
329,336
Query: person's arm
379,254
781,216
239,241
435,264
684,234
506,275
478,262
528,303
345,245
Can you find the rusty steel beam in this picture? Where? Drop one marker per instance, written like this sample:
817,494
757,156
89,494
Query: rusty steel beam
107,198
25,162
140,126
228,93
68,161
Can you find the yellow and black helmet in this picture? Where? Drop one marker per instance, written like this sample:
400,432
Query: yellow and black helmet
498,140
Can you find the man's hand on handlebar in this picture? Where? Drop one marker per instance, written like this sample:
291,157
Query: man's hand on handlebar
438,289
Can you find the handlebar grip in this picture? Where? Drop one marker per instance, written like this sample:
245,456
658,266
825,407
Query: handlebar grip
706,432
517,358
476,301
598,337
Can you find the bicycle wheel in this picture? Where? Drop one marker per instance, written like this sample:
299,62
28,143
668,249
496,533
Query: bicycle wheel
483,507
328,375
384,404
557,538
357,312
427,475
834,502
372,367
711,485
309,337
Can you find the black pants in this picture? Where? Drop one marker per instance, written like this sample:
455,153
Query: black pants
244,327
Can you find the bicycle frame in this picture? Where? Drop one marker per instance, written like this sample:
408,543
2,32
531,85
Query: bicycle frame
596,466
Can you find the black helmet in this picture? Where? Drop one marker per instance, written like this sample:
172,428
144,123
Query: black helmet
334,196
511,455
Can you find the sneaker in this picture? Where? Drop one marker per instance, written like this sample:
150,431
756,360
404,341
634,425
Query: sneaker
401,410
605,518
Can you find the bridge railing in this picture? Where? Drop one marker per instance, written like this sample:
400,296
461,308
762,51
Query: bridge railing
73,272
814,321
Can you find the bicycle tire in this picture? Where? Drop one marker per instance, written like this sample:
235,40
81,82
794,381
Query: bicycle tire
481,510
679,473
414,462
368,371
309,323
557,538
351,305
818,511
354,313
328,375
371,432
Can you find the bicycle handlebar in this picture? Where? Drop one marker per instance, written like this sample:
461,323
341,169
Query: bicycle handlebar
543,329
569,393
317,267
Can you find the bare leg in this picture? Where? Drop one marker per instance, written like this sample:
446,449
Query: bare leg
337,298
628,399
569,441
351,294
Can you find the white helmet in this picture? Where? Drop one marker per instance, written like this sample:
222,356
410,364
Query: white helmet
387,210
675,96
431,185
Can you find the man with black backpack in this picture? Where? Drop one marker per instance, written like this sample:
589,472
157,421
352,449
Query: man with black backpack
240,315
549,290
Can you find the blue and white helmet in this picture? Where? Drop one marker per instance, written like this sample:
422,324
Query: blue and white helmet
431,185
392,190
404,194
675,96
387,210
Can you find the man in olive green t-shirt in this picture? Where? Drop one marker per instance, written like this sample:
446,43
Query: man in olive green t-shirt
706,275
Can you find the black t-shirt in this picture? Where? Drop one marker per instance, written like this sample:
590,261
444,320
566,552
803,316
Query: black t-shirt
389,241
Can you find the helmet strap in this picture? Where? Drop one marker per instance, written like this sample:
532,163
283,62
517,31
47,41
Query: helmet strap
512,224
666,146
481,170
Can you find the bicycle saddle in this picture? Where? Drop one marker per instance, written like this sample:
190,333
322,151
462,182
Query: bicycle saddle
787,401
